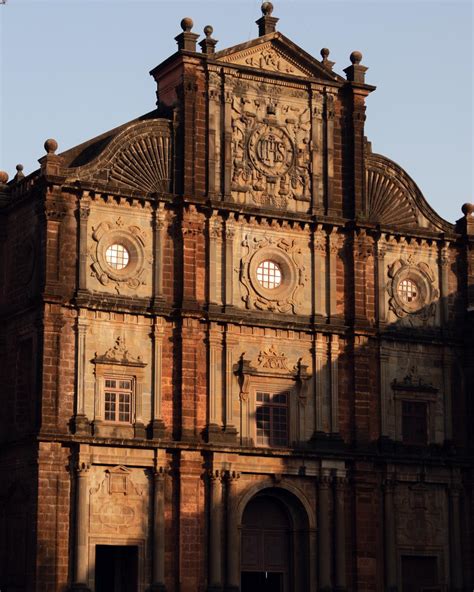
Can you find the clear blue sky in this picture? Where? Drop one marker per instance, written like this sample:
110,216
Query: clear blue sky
71,69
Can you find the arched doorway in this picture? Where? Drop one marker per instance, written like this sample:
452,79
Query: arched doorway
274,543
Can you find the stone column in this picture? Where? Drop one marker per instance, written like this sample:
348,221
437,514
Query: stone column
340,532
81,423
334,384
319,381
330,113
455,532
158,558
317,146
389,538
381,280
215,531
214,115
215,246
159,228
230,342
333,251
157,424
319,273
84,211
233,542
325,538
215,394
81,567
228,95
443,261
229,262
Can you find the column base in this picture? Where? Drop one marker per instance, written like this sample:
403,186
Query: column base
81,425
139,430
78,587
157,429
157,588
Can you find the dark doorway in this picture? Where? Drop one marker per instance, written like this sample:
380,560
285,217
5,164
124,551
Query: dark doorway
266,581
116,568
265,546
419,574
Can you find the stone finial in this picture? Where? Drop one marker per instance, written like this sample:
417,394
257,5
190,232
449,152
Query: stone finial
208,44
467,209
3,178
51,146
356,58
326,62
267,22
186,40
19,173
187,24
356,72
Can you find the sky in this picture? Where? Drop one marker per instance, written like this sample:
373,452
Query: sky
72,69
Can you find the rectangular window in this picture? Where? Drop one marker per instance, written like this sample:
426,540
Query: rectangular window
414,423
118,400
272,418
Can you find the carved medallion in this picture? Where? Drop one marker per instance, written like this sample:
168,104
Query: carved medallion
271,150
412,291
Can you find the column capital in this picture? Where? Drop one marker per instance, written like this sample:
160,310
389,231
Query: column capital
82,468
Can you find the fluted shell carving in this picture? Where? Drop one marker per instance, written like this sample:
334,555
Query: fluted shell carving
138,157
143,165
388,202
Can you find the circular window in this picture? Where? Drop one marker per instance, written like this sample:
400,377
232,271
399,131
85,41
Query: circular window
408,291
117,256
269,274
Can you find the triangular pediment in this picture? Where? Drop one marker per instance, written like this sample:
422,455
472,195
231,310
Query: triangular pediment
276,53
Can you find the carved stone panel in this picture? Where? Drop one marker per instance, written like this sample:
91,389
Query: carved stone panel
119,501
421,516
270,146
287,255
119,251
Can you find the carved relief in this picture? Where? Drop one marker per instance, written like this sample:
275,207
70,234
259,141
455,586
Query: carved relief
420,516
119,354
287,255
117,502
272,360
270,147
132,238
412,290
266,57
138,158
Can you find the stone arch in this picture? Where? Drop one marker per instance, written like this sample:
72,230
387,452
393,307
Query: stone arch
252,491
295,537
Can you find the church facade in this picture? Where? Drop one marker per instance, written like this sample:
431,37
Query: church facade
237,346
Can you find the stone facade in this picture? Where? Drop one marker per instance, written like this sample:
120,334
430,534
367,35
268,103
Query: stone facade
232,301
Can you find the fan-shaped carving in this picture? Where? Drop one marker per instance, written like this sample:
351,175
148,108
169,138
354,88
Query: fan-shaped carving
138,158
144,164
387,200
393,198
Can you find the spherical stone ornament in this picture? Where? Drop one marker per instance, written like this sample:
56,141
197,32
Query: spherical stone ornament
3,177
208,31
187,24
51,146
467,209
267,8
19,167
324,53
356,58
